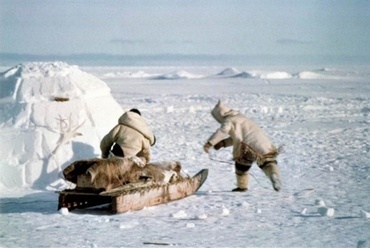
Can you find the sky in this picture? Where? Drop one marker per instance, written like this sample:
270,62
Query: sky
120,27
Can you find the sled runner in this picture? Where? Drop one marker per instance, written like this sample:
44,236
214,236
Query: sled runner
132,197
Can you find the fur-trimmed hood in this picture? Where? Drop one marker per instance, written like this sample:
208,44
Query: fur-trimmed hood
220,111
135,121
240,129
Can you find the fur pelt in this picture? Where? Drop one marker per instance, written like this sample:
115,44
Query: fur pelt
114,172
79,167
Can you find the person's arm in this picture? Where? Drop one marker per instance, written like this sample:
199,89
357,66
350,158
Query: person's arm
107,142
224,143
218,136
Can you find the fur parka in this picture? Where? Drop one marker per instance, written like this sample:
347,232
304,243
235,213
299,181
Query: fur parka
132,134
240,131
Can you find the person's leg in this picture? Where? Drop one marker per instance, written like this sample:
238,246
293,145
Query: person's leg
242,177
272,171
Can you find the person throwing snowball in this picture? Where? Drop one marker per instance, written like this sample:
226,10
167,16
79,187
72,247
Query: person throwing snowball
250,144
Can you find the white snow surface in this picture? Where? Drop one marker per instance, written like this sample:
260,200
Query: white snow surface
320,115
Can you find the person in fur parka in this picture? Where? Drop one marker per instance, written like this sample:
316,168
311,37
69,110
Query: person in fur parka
132,136
250,144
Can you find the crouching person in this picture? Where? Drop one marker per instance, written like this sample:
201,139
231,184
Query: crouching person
250,144
131,137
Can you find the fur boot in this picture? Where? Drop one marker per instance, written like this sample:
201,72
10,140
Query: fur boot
272,171
242,181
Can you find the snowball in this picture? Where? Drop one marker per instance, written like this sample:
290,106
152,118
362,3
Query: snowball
202,217
169,109
245,204
64,211
264,109
258,211
190,225
179,215
128,225
192,109
122,226
225,212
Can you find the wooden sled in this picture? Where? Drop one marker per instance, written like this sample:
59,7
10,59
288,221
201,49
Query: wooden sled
132,197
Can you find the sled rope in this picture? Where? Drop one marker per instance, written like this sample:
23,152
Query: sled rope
230,162
220,161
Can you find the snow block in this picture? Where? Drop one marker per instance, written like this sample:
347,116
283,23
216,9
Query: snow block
325,211
364,214
320,203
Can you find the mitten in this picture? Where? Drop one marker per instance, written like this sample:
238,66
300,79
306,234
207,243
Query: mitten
219,145
207,146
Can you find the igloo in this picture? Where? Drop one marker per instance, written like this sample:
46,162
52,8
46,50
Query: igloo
51,114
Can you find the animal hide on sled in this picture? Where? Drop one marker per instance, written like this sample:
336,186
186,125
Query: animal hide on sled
113,172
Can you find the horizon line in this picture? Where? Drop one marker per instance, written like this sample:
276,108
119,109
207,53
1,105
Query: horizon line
7,59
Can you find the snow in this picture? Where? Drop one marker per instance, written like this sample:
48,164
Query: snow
39,134
320,115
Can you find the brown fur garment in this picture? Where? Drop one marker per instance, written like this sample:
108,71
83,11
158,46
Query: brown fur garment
115,172
79,167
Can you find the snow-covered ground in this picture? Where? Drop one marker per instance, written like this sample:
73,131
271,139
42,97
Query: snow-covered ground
320,115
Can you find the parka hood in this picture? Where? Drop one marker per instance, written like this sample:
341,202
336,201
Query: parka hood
220,111
135,121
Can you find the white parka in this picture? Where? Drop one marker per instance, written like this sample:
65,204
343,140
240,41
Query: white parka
132,134
240,129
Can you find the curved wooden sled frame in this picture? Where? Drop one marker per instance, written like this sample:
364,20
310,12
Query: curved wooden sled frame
133,197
